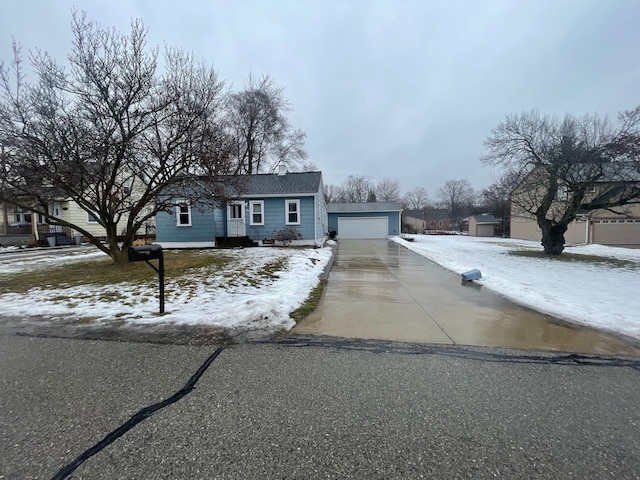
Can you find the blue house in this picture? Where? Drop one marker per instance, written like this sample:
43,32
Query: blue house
269,203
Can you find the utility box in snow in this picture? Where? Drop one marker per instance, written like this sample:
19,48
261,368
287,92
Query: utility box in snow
471,275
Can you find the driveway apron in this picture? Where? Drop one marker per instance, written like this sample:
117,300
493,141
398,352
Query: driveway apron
380,290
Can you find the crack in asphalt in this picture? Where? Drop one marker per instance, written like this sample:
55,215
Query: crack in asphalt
552,358
138,417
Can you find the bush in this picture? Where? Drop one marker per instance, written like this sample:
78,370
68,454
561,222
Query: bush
286,236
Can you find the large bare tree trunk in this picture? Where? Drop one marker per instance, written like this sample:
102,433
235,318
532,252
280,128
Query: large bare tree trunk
553,238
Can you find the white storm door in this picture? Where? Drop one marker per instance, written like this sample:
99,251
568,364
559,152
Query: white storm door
235,220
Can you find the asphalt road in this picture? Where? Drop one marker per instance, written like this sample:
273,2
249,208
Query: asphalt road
314,408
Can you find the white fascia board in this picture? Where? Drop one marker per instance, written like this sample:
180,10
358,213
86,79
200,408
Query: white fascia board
277,195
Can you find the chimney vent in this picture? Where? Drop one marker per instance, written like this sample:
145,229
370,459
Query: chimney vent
282,170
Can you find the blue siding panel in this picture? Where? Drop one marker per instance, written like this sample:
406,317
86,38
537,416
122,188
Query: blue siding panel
205,226
202,227
274,218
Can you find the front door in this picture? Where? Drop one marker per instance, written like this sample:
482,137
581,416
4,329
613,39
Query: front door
235,220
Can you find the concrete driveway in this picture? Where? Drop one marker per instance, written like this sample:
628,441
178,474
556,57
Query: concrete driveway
380,290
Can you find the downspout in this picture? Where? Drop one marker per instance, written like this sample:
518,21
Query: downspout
315,218
5,218
34,226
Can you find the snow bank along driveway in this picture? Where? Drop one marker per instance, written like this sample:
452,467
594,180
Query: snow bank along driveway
226,297
600,294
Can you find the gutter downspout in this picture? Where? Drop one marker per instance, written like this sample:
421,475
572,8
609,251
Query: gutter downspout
34,226
315,218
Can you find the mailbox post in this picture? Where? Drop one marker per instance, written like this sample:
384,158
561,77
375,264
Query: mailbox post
146,253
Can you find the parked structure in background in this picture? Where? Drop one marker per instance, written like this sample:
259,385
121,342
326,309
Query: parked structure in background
426,220
483,225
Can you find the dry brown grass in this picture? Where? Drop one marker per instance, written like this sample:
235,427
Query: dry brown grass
103,272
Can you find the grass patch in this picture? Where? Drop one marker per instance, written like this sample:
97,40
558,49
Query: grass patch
578,258
103,272
310,303
268,271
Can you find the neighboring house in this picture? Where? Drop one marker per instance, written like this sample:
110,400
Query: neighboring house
425,219
17,222
619,226
270,203
364,220
483,225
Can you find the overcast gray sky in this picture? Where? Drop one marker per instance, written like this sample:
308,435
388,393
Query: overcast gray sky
400,89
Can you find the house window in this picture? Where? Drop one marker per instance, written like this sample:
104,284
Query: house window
183,215
596,221
591,189
629,221
562,193
257,212
127,186
605,221
235,211
91,218
292,212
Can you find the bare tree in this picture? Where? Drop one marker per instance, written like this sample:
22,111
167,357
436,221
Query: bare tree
356,189
496,198
416,198
258,125
571,165
388,190
109,133
308,167
457,197
332,194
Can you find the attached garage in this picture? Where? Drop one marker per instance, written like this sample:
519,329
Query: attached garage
616,231
364,220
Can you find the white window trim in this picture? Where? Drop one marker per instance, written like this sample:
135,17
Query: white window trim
252,204
92,222
286,211
178,206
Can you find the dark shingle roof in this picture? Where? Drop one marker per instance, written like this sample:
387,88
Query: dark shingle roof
290,183
364,207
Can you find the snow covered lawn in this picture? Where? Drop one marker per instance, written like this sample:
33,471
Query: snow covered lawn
258,288
595,285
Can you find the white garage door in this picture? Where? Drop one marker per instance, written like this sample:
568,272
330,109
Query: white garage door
369,227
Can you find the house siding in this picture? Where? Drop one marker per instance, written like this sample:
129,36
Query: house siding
202,227
274,218
393,223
